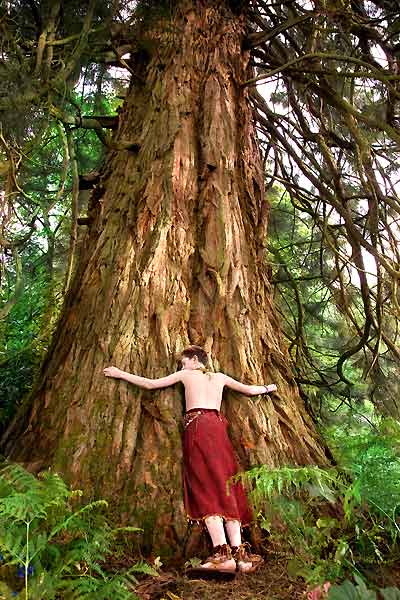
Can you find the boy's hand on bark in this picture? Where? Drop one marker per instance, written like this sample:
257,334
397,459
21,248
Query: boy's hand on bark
271,388
112,372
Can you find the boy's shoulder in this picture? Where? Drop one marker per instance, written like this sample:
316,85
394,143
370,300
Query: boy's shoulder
189,375
214,374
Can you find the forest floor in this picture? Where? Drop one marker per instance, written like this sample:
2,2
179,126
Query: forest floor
270,582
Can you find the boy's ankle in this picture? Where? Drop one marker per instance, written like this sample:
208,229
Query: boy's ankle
241,552
221,558
224,550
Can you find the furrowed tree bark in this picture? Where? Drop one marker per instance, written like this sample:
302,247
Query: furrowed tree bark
174,254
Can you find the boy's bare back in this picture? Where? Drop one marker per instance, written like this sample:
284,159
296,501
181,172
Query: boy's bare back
203,390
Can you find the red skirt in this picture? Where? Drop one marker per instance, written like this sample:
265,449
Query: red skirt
208,463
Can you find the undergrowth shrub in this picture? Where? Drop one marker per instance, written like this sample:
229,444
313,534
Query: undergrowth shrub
337,521
359,591
25,332
16,375
58,547
372,457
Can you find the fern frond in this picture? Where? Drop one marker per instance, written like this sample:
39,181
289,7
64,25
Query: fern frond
90,588
88,507
143,567
24,497
290,480
37,544
12,545
127,529
17,477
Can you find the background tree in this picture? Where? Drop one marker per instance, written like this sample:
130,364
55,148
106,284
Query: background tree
335,145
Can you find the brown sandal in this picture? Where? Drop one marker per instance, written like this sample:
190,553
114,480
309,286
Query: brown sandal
220,555
242,554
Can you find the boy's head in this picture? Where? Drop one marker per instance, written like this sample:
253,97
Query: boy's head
194,357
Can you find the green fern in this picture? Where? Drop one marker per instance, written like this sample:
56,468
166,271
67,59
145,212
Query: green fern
65,547
24,497
290,481
324,547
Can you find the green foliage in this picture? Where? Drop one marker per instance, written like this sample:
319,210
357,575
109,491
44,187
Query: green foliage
153,10
336,521
349,591
26,331
372,456
61,548
322,312
25,334
290,480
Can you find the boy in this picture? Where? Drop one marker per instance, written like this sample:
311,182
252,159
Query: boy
208,458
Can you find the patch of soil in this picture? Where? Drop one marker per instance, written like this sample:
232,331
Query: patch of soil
270,582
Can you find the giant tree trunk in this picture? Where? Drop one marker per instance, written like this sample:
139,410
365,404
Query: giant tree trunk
175,254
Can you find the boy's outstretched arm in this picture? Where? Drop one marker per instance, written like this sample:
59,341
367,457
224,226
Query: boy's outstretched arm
144,382
248,390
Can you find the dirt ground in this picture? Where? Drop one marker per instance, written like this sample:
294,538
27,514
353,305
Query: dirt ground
270,582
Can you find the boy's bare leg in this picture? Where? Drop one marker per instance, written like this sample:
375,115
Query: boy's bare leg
234,533
215,528
235,539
